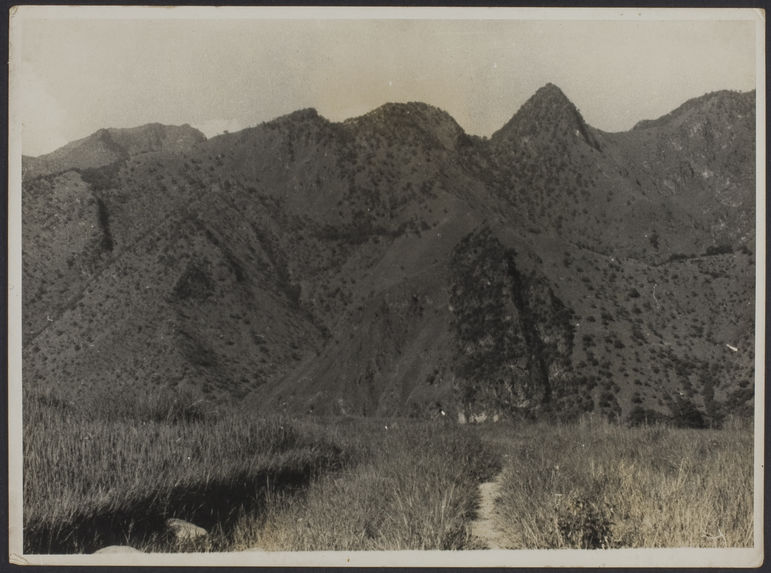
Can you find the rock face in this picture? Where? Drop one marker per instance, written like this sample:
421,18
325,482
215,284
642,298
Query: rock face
514,335
184,530
394,265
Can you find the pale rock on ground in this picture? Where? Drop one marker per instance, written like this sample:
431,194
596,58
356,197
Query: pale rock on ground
117,549
184,530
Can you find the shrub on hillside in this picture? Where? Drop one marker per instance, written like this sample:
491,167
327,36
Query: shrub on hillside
685,414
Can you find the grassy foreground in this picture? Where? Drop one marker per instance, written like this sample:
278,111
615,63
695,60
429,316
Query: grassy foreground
416,489
114,474
598,485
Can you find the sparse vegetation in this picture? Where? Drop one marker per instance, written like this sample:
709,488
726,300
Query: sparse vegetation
597,485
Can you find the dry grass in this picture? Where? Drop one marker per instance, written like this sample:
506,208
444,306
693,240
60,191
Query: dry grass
597,485
416,490
113,474
91,480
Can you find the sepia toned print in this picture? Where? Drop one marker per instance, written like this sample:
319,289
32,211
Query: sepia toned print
386,286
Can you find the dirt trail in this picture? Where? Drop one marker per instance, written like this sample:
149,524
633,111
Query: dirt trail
484,527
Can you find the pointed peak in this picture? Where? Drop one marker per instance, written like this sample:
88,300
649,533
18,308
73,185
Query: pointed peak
546,113
551,91
549,100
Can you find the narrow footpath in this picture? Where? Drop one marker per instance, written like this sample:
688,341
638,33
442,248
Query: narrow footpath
484,527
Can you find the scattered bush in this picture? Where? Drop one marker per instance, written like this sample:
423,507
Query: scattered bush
718,250
585,523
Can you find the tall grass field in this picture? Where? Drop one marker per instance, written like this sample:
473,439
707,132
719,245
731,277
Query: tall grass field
596,485
111,474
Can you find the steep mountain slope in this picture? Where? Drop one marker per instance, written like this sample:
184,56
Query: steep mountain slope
701,156
393,264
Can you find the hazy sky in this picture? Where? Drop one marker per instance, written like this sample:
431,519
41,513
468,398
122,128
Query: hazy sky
77,75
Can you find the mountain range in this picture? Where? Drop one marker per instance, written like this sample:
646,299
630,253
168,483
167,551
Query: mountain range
394,265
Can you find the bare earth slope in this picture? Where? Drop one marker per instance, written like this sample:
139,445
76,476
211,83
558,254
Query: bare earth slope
392,264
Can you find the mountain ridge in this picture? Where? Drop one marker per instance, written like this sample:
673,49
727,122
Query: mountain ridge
387,266
108,146
548,92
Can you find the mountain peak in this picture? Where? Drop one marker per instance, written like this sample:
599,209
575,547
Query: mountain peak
109,145
415,118
722,105
300,120
548,112
153,137
552,94
305,114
